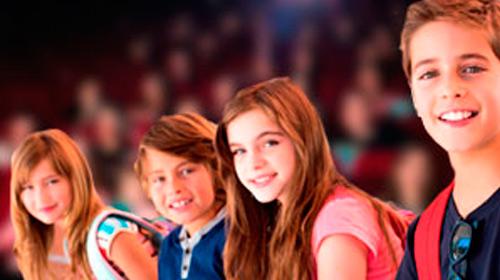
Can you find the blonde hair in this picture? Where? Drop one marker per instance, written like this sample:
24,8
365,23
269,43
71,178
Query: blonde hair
271,241
480,14
189,136
33,238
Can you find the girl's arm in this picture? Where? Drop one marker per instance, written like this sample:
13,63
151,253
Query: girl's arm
129,254
342,256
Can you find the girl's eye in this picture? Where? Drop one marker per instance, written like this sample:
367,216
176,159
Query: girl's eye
472,69
27,188
237,152
271,143
428,75
53,181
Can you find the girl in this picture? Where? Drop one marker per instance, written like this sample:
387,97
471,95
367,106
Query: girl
292,216
54,203
177,167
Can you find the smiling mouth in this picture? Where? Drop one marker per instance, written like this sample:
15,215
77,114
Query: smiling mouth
180,203
263,180
454,116
48,208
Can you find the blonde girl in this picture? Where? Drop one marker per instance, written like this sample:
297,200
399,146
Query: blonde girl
53,204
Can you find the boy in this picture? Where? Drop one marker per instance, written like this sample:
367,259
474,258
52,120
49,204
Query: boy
451,57
177,167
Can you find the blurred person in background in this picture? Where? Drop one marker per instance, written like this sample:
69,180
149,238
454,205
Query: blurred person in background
88,99
410,178
179,72
222,90
154,99
107,149
130,196
18,126
356,133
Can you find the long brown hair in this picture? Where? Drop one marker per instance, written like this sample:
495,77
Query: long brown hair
33,238
273,241
480,14
189,136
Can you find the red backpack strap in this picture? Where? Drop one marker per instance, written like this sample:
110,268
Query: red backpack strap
427,234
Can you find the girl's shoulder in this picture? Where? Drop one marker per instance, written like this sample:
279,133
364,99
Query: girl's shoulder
344,198
346,212
105,228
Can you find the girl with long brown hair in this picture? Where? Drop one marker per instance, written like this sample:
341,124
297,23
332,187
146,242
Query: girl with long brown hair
53,205
292,216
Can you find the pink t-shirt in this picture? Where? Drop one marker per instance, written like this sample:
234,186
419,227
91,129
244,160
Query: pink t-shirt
345,212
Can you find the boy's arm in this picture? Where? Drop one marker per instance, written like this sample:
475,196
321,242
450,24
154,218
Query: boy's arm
407,269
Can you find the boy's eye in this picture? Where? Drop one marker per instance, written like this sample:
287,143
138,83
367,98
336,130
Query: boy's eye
158,180
472,69
186,171
428,75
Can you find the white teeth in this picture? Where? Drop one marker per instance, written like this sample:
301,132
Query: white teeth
262,179
180,203
456,115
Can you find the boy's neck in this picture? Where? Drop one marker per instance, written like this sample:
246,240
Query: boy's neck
477,176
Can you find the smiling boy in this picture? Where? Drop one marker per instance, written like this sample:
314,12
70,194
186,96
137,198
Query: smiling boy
451,56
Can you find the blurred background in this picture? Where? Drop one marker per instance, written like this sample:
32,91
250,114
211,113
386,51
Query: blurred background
104,72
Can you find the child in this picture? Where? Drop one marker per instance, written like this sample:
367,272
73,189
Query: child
177,167
54,203
292,216
451,57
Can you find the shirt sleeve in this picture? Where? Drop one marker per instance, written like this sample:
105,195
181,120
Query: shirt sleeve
348,214
407,269
108,230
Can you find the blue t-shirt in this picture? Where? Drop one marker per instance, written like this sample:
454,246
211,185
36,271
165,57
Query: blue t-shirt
483,259
196,257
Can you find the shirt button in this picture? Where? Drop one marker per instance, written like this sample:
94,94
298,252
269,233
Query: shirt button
188,251
184,267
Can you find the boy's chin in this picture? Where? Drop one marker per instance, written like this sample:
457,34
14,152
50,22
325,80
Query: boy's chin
457,147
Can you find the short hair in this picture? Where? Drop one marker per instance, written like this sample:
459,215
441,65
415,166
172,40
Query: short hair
187,135
480,14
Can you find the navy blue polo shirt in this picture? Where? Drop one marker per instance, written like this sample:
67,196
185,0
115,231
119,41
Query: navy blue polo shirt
195,257
484,254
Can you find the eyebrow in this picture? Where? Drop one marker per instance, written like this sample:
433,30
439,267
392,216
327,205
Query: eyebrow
473,55
50,176
461,57
424,62
176,167
263,134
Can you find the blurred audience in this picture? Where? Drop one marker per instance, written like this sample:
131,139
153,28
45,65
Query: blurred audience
343,54
17,126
